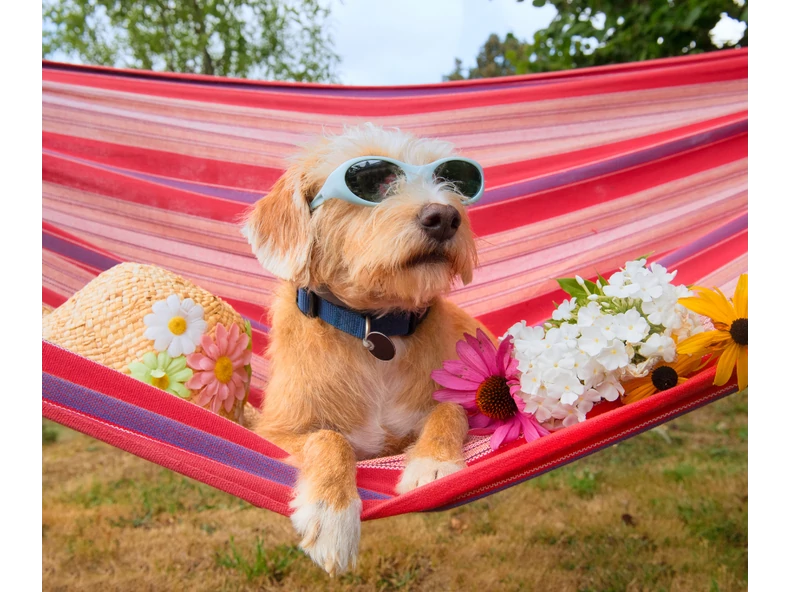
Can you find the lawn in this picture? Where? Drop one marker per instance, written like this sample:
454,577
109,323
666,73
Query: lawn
666,510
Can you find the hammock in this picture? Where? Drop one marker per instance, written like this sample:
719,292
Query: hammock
584,170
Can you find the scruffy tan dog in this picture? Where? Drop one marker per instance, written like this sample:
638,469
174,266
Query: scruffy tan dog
330,402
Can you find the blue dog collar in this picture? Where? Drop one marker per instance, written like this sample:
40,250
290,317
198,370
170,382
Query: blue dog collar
359,324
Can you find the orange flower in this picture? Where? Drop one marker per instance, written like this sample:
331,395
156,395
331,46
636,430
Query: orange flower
662,377
729,340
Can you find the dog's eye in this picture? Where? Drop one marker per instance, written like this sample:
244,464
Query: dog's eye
370,179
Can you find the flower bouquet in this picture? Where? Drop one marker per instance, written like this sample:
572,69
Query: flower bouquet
622,338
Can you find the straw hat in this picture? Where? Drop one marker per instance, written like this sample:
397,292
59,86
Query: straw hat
119,317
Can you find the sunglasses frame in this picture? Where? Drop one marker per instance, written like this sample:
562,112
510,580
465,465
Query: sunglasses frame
335,185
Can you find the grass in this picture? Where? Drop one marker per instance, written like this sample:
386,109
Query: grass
666,510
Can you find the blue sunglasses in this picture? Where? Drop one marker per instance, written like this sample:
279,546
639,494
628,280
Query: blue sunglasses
365,180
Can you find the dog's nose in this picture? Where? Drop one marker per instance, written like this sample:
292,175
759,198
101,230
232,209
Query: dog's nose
440,221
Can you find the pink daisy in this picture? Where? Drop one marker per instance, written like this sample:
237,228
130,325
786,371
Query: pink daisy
219,369
484,381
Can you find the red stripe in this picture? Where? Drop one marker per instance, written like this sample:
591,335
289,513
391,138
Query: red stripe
717,256
663,76
516,172
96,180
258,178
59,232
537,310
519,460
165,164
478,82
260,341
512,462
514,213
79,370
252,311
52,298
256,490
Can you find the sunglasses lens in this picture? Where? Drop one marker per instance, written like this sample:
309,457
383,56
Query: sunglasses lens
370,179
463,175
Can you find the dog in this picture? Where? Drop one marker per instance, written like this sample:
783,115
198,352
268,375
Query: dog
329,401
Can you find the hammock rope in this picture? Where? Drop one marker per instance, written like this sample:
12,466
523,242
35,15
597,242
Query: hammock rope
584,170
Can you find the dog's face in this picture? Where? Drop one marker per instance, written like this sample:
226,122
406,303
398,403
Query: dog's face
400,254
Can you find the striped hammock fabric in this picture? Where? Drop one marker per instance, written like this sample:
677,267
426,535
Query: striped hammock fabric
585,169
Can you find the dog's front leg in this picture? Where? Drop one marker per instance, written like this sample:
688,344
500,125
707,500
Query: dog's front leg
438,451
326,505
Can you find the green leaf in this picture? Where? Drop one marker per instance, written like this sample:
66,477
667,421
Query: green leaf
649,254
692,17
248,331
571,287
601,279
592,287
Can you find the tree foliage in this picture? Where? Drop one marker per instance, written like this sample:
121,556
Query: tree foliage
274,39
597,32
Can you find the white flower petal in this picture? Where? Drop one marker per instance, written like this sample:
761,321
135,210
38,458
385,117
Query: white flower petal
173,303
162,342
156,332
195,313
174,349
187,344
195,330
160,308
153,320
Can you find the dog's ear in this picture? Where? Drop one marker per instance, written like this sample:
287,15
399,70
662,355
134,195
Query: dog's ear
278,229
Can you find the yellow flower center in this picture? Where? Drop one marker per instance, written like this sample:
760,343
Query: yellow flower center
223,370
161,382
177,325
494,400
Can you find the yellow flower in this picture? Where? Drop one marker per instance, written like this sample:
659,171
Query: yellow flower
662,377
730,338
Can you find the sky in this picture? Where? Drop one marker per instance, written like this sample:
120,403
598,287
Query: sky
417,41
390,42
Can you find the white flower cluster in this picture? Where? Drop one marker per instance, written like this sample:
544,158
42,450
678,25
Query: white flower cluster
606,333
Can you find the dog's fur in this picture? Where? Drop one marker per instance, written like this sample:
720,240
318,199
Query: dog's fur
329,402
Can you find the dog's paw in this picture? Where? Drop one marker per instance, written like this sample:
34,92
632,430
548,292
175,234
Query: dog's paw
422,470
330,537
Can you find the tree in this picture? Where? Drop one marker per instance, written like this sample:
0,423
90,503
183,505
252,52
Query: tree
492,60
597,32
274,39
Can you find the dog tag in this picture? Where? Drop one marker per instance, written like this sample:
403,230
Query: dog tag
379,345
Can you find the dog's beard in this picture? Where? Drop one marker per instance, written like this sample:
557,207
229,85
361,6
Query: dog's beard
382,260
411,282
437,256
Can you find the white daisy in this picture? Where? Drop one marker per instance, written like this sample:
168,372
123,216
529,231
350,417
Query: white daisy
175,326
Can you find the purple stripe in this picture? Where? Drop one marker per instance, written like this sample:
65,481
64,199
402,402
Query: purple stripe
220,192
712,238
258,325
725,393
142,421
228,193
77,252
613,164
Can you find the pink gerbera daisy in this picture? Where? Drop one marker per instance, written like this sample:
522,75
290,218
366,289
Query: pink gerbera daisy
484,381
220,369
